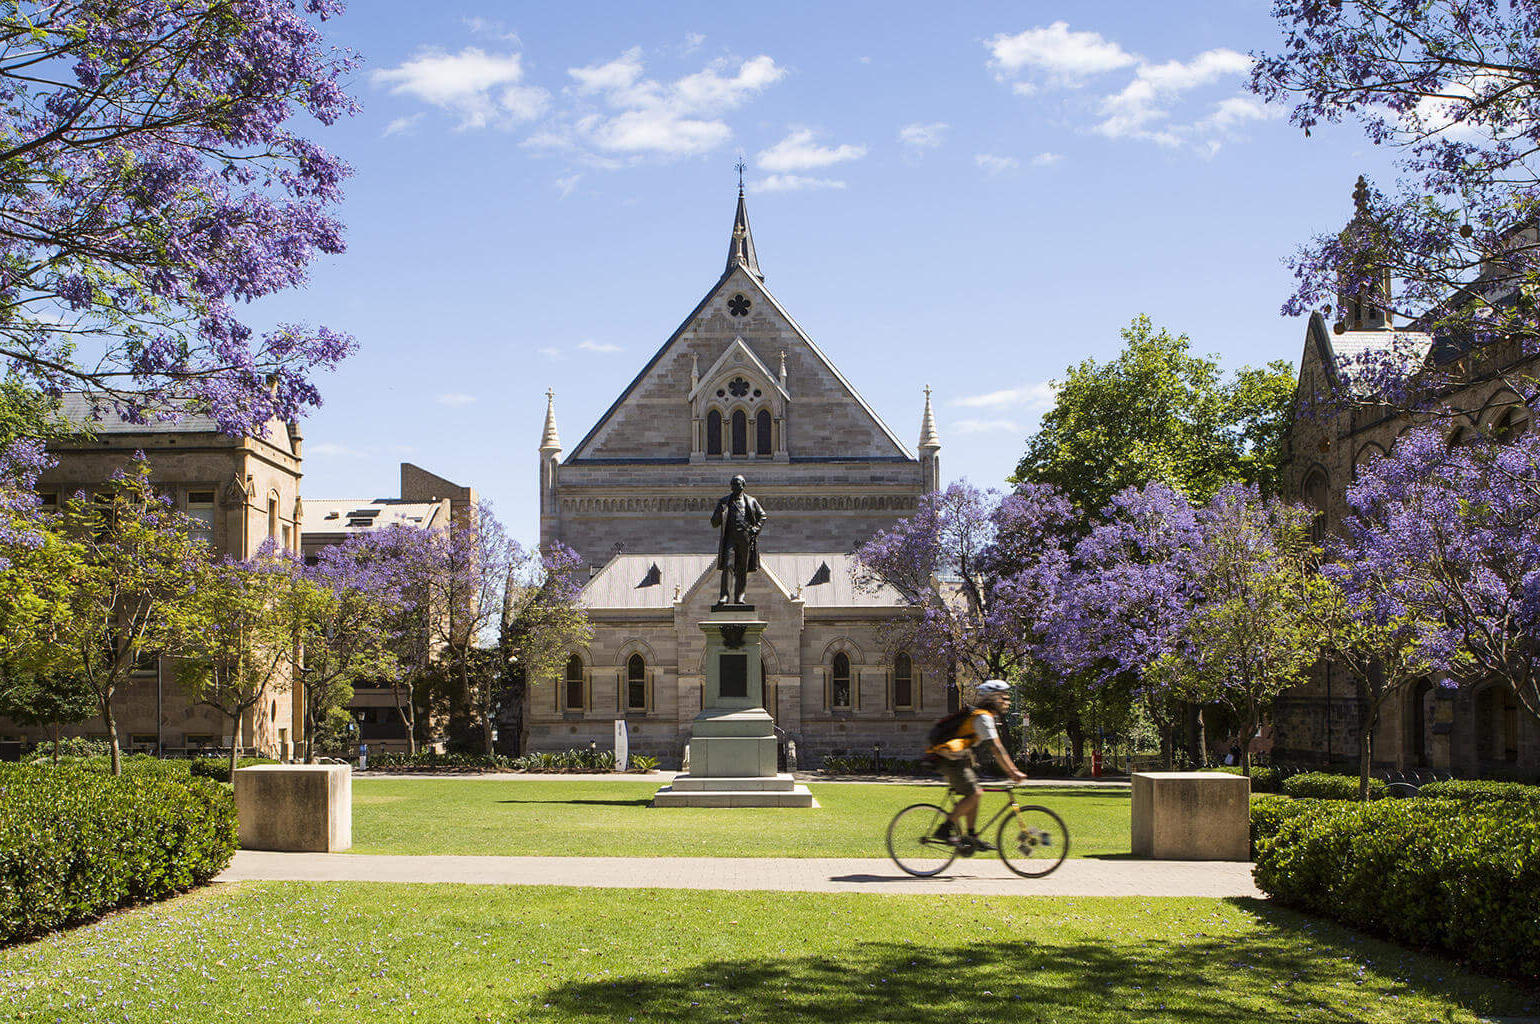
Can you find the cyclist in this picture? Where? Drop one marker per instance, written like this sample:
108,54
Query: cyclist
954,759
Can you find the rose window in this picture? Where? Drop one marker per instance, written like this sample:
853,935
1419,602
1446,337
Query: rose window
738,306
739,387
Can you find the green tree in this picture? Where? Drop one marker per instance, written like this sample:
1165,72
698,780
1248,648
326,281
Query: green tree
236,636
541,624
112,576
1158,412
45,699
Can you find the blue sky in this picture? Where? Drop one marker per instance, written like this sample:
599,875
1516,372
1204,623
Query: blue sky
969,196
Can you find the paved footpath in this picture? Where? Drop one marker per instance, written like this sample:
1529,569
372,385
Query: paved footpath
982,875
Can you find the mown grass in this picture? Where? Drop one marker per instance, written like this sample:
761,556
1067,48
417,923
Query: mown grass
339,953
611,819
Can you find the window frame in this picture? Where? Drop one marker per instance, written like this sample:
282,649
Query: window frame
903,660
580,681
634,679
834,683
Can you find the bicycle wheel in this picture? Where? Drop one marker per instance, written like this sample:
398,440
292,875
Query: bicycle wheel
912,841
1033,841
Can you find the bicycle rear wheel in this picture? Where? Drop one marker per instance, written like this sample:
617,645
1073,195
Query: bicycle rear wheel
912,841
1033,841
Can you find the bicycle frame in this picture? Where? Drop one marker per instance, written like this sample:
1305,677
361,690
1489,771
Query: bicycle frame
1010,805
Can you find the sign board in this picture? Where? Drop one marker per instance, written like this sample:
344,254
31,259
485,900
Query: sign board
622,745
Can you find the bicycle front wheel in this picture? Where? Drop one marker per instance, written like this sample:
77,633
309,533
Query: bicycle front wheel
1033,841
913,843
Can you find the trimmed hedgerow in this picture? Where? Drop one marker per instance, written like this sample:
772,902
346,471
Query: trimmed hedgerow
1322,786
218,768
1264,779
1439,874
76,843
1471,791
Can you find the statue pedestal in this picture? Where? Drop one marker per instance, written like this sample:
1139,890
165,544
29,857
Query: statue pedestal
732,741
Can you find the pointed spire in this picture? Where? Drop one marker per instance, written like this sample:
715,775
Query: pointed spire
550,440
740,248
928,436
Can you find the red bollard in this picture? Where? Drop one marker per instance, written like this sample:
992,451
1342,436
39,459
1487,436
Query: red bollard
1096,764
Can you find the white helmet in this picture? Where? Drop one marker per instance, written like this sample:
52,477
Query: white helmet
991,687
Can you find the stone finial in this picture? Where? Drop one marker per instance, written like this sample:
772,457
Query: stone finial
929,438
1361,196
740,247
550,440
783,368
694,373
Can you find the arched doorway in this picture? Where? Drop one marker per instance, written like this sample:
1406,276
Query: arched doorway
1497,726
1418,715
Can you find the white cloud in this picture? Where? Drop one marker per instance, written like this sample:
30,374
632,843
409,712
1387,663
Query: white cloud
693,41
550,352
1062,54
1235,111
401,125
490,27
598,346
992,164
480,88
646,117
1130,112
1035,397
984,427
566,184
800,152
455,399
1046,159
922,136
795,182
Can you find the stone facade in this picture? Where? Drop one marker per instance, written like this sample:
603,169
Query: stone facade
1477,728
738,388
247,491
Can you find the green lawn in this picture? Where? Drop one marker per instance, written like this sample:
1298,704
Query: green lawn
612,819
346,953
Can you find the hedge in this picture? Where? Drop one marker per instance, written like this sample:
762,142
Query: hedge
1463,880
76,843
1473,792
1321,786
218,768
1264,779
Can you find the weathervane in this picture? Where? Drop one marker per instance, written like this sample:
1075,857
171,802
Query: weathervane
741,166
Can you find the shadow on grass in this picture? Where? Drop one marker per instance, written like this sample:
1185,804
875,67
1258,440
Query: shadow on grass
1295,966
638,802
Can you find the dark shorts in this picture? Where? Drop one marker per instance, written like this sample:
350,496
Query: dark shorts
960,775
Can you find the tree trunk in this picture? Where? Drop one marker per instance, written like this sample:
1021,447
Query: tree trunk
235,742
408,719
516,691
1366,747
112,734
1076,733
56,744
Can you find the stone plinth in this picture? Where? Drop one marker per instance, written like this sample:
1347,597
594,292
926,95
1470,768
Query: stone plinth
1191,816
299,808
732,740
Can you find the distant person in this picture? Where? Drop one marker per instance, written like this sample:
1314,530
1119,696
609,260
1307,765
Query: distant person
951,750
1234,756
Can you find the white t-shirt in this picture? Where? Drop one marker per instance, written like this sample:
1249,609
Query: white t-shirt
984,729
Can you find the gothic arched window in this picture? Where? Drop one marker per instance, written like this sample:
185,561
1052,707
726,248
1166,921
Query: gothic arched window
903,681
1317,495
572,693
762,432
740,433
1512,426
713,433
636,683
839,681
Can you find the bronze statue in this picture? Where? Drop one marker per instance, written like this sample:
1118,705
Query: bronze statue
740,518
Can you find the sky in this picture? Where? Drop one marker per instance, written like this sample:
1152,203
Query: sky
971,196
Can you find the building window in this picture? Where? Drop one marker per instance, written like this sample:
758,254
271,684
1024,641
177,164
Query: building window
636,683
839,682
1317,494
200,509
1513,425
762,439
572,693
48,501
272,516
713,433
903,681
740,433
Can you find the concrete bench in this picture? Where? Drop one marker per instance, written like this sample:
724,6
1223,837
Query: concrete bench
302,808
1191,816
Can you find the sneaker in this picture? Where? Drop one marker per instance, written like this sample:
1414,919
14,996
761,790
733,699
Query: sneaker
943,832
981,844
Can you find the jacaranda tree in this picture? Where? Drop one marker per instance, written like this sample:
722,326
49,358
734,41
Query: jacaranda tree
152,177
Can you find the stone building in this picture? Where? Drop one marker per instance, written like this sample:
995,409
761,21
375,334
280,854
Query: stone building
1478,727
739,387
242,492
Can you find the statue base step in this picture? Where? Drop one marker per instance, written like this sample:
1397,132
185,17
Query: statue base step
719,791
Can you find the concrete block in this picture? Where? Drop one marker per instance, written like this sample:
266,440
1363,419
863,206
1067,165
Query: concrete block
1191,816
298,808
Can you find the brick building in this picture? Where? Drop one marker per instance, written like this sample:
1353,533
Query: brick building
739,387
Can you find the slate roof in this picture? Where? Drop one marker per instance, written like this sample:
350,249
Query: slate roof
364,515
641,581
102,418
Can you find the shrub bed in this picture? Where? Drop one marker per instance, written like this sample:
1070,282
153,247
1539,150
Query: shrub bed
548,761
218,768
1475,792
1322,786
865,764
1439,874
1264,779
76,843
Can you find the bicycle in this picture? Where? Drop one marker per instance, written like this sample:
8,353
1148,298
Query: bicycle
1032,840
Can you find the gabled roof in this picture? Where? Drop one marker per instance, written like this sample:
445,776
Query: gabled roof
737,353
817,579
1348,355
